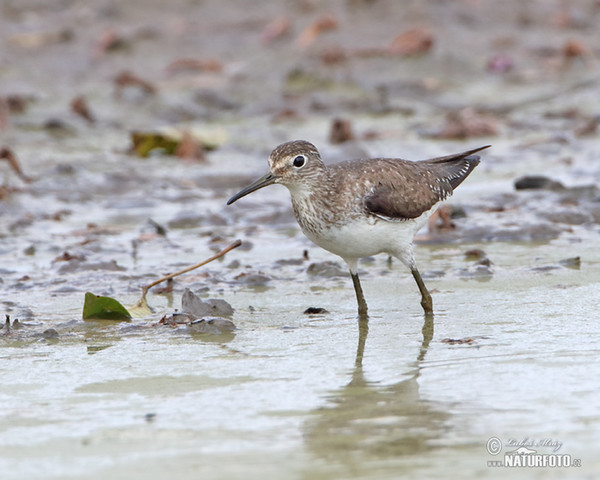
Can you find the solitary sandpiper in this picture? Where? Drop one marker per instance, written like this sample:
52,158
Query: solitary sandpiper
361,208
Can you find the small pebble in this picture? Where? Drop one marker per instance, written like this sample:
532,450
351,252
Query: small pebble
572,262
49,334
315,311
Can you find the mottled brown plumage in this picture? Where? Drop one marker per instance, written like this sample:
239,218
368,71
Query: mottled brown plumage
364,207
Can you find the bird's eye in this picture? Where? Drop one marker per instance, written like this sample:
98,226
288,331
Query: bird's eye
299,161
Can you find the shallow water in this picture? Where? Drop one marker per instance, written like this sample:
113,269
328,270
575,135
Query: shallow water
290,395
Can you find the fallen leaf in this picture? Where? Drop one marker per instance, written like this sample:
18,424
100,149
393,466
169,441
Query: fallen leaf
466,123
8,155
334,56
173,141
441,219
110,40
17,103
340,131
415,41
145,142
194,64
97,307
80,107
128,79
588,128
190,148
323,24
279,28
67,257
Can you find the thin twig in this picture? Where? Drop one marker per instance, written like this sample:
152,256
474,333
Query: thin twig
235,244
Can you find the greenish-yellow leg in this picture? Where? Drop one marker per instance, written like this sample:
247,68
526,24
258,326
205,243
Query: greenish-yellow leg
360,297
426,301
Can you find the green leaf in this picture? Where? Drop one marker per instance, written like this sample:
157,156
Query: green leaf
96,307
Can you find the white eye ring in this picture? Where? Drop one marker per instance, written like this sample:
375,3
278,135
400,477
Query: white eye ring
299,161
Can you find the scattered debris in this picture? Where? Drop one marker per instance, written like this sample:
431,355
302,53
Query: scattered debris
191,143
127,79
195,65
190,148
276,29
8,155
571,262
111,40
415,41
97,307
340,131
475,254
466,123
441,219
334,56
463,341
80,107
325,23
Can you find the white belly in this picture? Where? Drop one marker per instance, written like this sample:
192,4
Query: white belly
370,236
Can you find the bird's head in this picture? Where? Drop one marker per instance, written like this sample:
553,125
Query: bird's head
293,164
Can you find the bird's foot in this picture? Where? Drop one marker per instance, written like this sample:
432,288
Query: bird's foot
427,304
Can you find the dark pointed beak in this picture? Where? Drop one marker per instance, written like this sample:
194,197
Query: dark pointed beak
264,181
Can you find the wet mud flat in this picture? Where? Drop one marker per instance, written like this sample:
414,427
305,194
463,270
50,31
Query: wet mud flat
124,128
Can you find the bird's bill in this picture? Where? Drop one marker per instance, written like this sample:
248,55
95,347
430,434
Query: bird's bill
263,181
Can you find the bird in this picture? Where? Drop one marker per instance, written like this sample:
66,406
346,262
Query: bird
361,208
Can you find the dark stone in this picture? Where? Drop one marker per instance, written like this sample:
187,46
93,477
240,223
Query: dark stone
50,334
213,326
194,305
538,182
475,254
315,311
572,262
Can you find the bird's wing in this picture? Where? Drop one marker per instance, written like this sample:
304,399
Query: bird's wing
408,189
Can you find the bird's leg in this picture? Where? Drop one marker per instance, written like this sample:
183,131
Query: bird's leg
426,301
360,298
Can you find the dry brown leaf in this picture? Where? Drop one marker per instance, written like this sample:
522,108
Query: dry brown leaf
8,155
415,41
441,219
325,23
334,56
340,131
467,123
192,64
110,40
588,128
279,28
190,148
80,107
128,79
